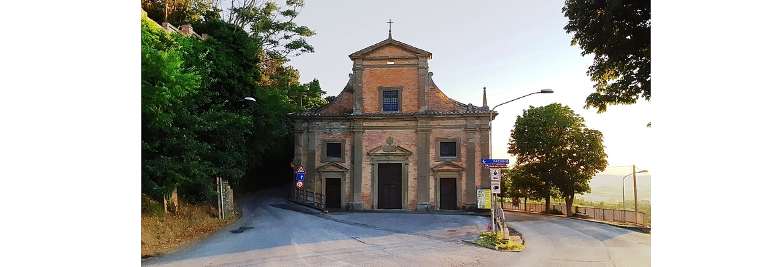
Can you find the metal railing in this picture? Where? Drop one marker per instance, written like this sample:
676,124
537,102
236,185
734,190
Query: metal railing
308,198
599,214
499,221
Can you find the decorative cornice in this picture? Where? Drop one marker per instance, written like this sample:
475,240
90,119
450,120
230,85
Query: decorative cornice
389,150
447,166
332,167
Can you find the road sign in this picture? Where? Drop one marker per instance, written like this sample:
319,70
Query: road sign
502,166
495,187
483,198
299,184
495,174
495,161
301,169
300,177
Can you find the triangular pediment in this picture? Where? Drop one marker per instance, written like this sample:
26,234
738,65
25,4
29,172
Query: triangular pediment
389,150
332,167
387,43
447,166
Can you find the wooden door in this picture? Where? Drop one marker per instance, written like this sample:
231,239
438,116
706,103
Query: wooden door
448,196
333,193
389,186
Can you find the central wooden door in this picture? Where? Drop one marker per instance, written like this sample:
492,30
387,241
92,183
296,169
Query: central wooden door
389,186
448,197
333,193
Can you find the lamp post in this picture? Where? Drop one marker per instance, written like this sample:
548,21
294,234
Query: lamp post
624,187
636,206
221,200
490,126
490,122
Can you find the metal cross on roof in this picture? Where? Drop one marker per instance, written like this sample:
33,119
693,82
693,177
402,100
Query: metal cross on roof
390,32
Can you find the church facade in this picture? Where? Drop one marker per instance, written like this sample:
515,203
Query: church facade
392,139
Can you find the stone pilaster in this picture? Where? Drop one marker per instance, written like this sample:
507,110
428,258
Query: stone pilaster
356,166
471,160
423,165
357,85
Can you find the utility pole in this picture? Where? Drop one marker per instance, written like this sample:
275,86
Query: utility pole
636,205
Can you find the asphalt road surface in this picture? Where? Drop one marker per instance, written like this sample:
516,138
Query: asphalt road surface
273,232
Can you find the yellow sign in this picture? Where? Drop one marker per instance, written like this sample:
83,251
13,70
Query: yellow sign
483,198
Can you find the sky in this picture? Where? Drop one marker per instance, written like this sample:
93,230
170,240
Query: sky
513,50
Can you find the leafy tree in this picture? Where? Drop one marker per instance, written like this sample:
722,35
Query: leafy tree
526,185
306,96
617,33
330,98
181,12
279,37
552,143
193,127
170,152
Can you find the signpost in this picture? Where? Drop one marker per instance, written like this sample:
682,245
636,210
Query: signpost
300,176
495,166
495,161
495,174
495,187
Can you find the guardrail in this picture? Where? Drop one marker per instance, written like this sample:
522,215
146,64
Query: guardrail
308,198
599,214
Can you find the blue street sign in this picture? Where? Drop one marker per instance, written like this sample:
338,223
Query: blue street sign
495,161
300,176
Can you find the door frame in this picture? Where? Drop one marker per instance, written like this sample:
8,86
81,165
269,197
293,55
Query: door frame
324,175
458,187
404,182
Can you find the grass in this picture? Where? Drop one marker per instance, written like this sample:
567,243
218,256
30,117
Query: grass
165,232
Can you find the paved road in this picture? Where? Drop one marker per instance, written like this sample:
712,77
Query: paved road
273,232
557,241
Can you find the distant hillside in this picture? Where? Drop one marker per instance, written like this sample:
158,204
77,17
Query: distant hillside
606,187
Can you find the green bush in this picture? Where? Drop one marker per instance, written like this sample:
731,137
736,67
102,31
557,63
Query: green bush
496,240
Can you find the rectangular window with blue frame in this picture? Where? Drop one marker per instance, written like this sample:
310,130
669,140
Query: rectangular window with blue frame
390,101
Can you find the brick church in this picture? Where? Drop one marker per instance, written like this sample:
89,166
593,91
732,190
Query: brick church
392,139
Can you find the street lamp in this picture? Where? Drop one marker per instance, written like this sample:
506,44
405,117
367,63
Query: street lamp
490,122
490,126
221,200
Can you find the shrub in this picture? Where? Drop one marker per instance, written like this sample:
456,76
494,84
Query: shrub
496,240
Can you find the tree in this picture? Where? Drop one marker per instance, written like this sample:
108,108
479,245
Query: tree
528,185
552,143
181,12
279,37
617,33
170,152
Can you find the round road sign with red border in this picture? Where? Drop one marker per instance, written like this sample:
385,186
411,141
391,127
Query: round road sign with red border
299,184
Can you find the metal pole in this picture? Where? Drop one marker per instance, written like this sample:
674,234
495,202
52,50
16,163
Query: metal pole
221,200
636,204
624,198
